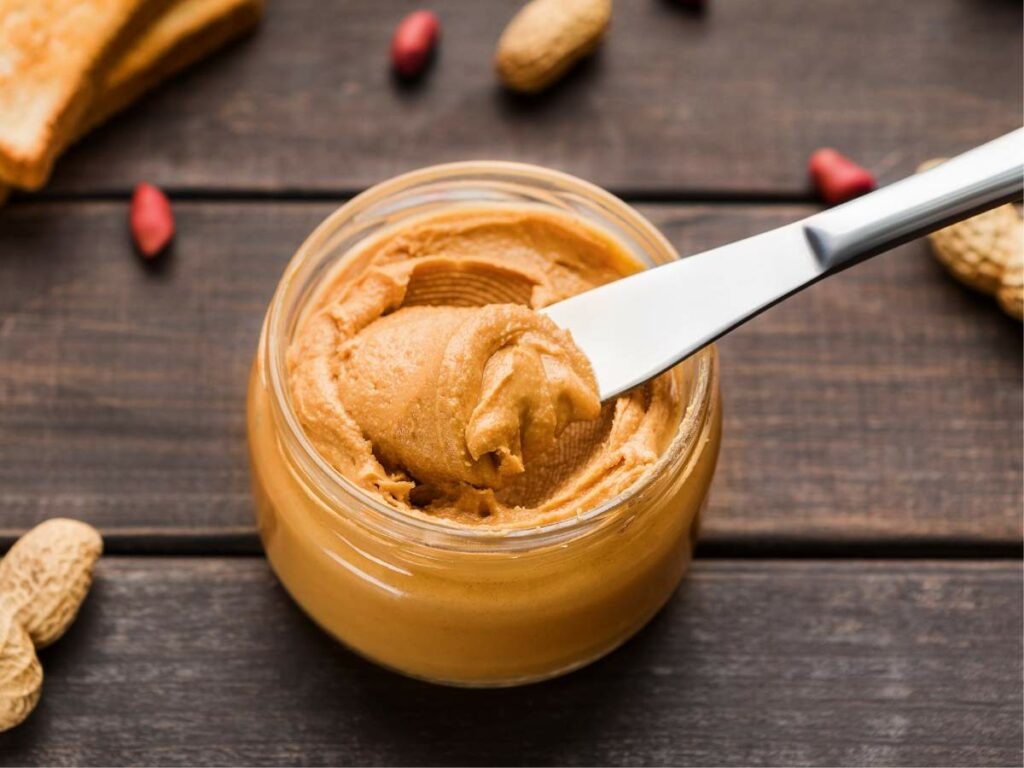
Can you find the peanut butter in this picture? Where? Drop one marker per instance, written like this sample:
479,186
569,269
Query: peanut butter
423,373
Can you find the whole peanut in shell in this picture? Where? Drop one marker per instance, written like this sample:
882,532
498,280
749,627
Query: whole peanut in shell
43,580
986,253
46,574
543,41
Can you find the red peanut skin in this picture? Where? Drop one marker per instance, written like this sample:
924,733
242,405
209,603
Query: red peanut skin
414,42
837,178
152,221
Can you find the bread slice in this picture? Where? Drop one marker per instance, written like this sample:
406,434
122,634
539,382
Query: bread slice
51,54
185,32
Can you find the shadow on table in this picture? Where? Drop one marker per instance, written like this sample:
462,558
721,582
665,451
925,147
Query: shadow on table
562,721
232,672
568,95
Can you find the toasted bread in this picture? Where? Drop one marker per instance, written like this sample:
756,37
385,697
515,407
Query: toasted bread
52,53
185,32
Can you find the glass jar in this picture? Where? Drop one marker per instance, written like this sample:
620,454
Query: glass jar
455,604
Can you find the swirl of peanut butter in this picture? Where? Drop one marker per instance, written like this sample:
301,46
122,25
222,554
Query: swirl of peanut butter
423,372
478,390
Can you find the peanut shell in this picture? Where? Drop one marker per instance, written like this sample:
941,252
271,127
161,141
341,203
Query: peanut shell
984,252
1011,290
45,576
21,675
546,38
978,250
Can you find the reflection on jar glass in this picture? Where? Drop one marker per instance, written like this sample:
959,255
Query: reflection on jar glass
429,596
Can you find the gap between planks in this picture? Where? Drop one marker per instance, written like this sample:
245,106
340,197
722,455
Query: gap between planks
637,196
245,542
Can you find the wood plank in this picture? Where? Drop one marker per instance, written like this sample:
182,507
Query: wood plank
729,102
207,661
881,408
883,405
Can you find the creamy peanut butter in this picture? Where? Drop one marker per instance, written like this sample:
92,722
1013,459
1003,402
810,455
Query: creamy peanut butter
423,373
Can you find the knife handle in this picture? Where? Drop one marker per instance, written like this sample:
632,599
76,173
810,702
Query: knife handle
975,181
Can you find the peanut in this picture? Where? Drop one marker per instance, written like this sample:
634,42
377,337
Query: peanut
986,253
21,675
1010,293
837,178
414,42
44,578
546,38
152,221
43,581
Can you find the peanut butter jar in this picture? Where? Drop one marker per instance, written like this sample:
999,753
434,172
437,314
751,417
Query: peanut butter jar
486,605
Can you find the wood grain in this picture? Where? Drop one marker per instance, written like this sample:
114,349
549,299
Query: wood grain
728,102
880,412
207,661
883,407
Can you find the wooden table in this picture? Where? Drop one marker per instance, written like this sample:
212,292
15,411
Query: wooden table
857,594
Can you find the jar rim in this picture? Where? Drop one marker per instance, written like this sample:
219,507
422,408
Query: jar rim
332,485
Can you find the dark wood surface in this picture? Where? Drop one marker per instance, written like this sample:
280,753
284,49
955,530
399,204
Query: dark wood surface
207,661
730,101
877,415
883,406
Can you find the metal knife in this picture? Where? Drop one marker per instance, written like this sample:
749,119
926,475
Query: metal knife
637,327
